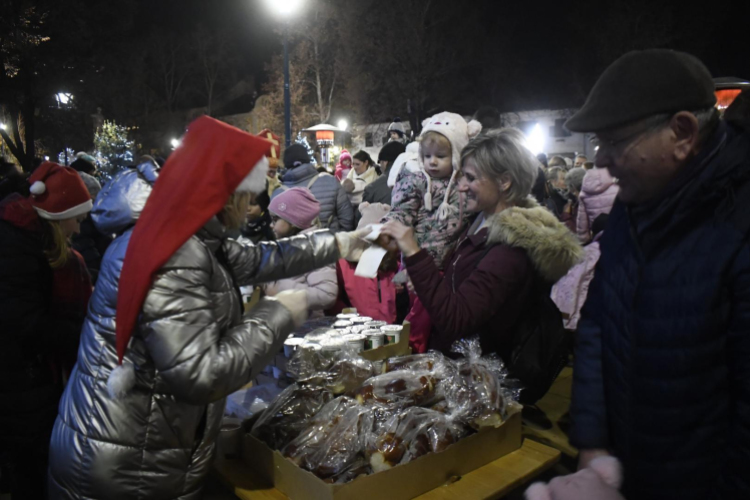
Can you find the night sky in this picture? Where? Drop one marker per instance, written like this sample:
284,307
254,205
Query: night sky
549,43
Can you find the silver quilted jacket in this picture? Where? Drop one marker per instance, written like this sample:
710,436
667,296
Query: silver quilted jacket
192,348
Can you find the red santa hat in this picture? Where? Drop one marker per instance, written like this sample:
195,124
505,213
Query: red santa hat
213,161
275,152
58,192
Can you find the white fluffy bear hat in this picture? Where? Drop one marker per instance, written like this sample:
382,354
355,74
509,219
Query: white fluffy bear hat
458,132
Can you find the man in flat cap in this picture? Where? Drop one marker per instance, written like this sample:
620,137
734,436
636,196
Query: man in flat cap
662,364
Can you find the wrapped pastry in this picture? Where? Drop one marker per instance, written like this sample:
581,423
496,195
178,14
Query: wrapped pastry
320,427
306,363
334,442
475,394
289,414
402,388
432,361
340,373
410,434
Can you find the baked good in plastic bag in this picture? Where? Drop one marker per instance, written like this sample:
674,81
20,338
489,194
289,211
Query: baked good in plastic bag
475,394
334,442
401,389
410,434
305,363
431,361
319,429
289,414
339,372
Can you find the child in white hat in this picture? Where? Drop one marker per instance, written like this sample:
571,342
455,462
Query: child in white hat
427,200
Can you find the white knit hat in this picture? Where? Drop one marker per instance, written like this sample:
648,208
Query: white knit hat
454,128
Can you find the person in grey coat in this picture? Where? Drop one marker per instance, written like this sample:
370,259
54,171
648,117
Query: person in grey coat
336,212
152,436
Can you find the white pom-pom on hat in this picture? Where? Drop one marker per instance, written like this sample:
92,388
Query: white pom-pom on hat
255,181
38,188
474,128
121,380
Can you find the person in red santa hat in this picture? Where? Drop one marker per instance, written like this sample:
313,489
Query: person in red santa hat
44,291
141,413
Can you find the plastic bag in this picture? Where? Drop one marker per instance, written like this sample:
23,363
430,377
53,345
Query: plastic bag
334,442
401,389
431,361
309,441
305,363
245,403
289,414
410,434
475,394
341,372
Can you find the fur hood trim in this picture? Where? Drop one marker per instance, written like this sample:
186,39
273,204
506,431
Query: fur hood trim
552,248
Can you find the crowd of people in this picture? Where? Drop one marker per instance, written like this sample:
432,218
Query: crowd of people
123,326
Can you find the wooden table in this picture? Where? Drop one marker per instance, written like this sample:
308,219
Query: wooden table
555,404
494,480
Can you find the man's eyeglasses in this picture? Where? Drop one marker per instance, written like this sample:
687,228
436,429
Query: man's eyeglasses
621,143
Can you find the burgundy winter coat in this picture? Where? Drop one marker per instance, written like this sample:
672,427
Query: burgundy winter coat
487,282
598,194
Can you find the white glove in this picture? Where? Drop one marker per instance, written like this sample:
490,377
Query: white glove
351,244
296,303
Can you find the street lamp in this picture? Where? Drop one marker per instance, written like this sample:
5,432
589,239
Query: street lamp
286,8
175,143
342,124
536,139
2,140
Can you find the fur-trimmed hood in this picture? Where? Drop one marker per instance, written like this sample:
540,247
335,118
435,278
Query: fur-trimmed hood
552,248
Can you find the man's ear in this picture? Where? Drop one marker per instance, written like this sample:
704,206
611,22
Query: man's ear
684,126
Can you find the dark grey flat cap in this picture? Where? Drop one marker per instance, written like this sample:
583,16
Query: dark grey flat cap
644,83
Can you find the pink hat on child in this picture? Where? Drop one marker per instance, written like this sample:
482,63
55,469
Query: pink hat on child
297,206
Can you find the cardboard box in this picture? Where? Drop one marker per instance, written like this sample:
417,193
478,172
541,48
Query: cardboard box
400,483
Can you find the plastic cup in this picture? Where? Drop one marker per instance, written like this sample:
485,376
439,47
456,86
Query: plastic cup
291,345
375,339
392,333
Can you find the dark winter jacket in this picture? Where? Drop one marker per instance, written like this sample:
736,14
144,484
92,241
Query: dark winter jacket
378,191
662,374
487,284
91,244
336,212
31,334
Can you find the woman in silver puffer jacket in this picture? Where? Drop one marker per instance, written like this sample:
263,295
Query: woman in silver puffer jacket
192,347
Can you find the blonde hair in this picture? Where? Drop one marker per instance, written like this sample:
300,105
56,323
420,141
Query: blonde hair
235,210
501,152
432,137
55,244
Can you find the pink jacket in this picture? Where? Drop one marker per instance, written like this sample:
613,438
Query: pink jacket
598,194
341,170
374,297
569,294
321,286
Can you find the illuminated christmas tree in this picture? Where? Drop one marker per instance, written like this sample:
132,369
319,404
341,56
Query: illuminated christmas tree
113,149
